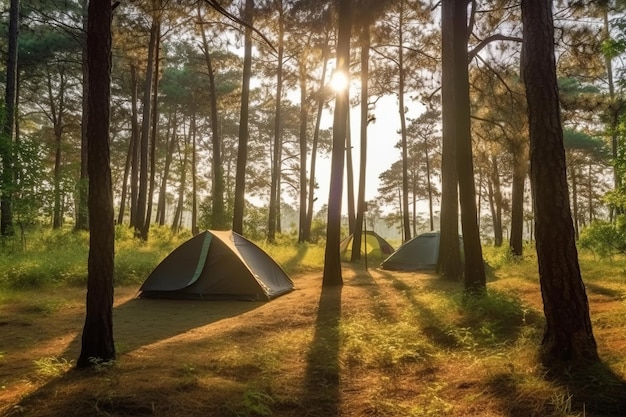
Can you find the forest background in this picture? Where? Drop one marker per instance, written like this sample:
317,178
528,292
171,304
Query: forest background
177,81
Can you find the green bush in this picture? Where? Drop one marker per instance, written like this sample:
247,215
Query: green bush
605,239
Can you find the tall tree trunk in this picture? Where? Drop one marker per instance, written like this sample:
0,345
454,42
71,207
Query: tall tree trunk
431,215
145,132
360,212
276,158
520,170
332,258
614,110
82,218
475,278
568,334
57,112
97,339
495,194
242,149
178,214
134,132
153,136
349,176
123,196
449,262
8,125
406,223
169,156
194,182
316,134
304,121
575,200
218,220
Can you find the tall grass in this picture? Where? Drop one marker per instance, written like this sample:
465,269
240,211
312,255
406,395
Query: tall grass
59,257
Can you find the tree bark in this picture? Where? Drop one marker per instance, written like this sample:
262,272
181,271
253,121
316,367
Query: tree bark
277,147
304,121
568,333
360,211
169,156
316,135
8,126
153,135
332,258
475,278
242,150
406,222
218,220
449,262
97,338
145,132
520,170
134,139
82,218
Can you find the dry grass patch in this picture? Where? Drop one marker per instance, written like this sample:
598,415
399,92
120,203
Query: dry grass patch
384,344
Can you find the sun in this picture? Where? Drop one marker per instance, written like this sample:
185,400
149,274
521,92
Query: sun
339,81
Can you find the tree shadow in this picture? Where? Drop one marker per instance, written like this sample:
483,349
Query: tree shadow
587,389
601,290
595,388
140,322
295,261
491,319
321,395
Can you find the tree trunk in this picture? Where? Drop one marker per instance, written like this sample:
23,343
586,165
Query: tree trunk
218,220
8,125
349,176
242,150
134,139
520,170
495,194
316,134
575,201
304,121
178,214
169,156
276,157
97,338
56,116
332,258
82,218
194,182
475,278
401,110
145,133
360,211
568,333
449,262
153,135
429,186
123,196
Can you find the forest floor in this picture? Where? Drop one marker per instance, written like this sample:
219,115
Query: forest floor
384,344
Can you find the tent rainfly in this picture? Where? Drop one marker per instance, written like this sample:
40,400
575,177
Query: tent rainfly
419,253
217,265
371,243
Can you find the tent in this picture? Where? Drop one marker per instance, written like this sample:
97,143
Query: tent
371,243
217,265
419,253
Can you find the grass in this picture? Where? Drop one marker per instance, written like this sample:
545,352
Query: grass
384,344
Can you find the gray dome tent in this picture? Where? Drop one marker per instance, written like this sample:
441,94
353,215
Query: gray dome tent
419,253
217,265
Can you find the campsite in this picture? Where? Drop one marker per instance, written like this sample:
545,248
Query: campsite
386,343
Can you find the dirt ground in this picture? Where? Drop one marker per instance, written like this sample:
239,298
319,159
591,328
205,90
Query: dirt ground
162,343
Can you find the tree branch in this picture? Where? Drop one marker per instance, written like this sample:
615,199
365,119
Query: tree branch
497,37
